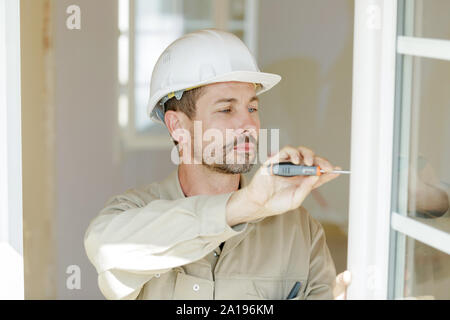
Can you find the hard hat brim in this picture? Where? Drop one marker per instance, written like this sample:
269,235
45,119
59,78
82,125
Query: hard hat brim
267,81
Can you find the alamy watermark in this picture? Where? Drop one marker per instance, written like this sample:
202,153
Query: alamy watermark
73,21
73,281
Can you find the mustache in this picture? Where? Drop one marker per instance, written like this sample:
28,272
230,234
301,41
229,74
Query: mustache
239,140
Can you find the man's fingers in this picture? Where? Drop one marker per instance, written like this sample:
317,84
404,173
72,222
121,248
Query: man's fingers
307,155
300,155
323,163
288,153
327,167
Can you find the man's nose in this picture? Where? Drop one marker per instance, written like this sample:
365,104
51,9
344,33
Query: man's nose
246,121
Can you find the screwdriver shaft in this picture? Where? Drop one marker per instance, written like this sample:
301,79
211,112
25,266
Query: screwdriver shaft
336,171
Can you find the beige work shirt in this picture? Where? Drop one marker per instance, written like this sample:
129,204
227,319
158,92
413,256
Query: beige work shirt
153,242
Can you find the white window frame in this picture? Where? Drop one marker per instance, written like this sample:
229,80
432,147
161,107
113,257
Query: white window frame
375,231
131,140
11,243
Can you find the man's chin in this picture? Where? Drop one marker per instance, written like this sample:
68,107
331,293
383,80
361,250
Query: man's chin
238,162
230,168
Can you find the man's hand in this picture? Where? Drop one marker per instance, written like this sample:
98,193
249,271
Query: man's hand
343,280
269,195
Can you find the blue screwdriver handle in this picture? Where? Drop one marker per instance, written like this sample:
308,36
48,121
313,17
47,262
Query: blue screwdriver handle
288,169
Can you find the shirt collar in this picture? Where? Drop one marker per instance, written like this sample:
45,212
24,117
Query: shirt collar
172,187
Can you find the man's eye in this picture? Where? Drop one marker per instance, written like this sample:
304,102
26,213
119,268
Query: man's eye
225,110
251,109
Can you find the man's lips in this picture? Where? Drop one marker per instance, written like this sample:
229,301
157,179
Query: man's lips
244,147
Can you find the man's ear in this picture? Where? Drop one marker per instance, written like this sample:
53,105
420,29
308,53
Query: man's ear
176,124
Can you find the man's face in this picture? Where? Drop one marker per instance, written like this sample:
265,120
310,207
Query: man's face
228,112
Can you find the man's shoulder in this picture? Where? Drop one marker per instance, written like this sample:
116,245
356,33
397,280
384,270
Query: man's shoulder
166,189
138,196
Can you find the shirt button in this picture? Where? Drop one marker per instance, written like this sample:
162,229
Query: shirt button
196,287
215,254
157,275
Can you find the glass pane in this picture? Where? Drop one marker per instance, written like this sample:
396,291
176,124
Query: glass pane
427,272
237,9
124,6
123,110
198,9
431,19
198,14
194,25
123,59
429,158
157,15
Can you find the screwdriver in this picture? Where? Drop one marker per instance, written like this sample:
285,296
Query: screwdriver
288,169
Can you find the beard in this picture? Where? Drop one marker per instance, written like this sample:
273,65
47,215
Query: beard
244,165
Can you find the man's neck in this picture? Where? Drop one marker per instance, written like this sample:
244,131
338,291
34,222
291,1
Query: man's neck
196,179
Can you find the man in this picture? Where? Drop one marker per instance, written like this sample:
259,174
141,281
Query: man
205,232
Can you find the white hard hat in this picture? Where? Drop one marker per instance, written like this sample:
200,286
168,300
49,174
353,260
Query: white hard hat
200,58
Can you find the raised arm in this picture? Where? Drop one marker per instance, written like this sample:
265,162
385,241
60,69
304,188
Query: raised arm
129,242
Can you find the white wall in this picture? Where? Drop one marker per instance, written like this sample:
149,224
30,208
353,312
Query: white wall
86,73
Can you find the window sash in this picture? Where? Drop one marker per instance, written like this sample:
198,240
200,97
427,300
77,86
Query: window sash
402,226
371,144
423,47
422,232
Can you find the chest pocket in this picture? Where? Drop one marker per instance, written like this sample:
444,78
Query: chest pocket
275,289
188,287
